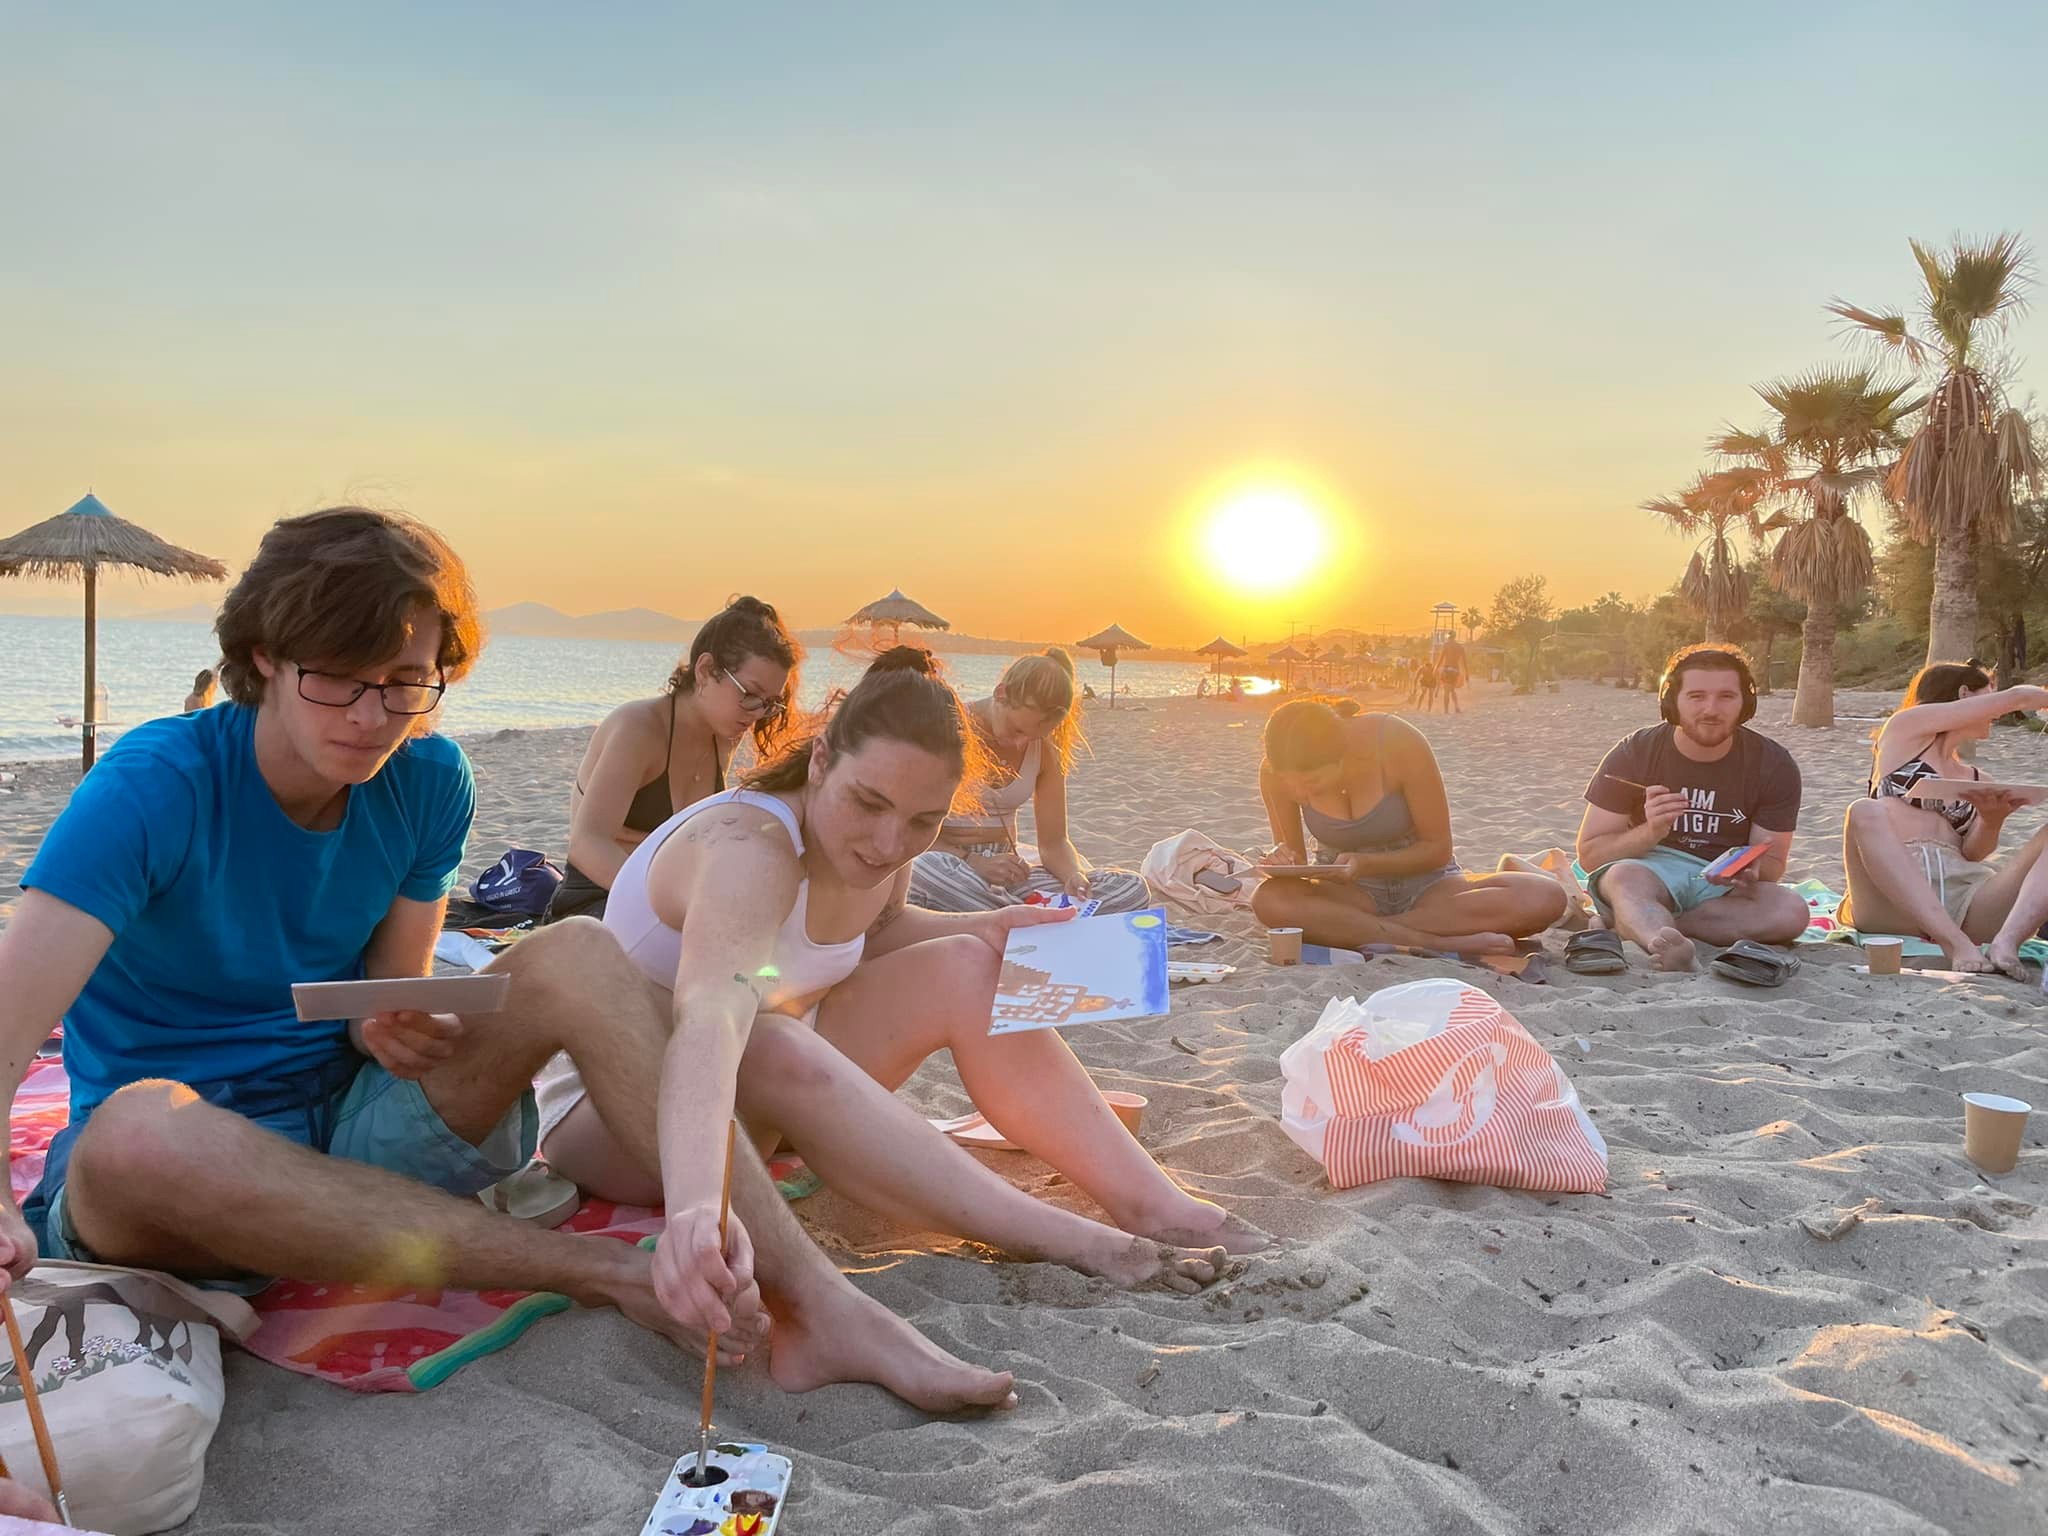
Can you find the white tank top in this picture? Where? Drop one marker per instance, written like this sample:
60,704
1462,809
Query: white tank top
802,968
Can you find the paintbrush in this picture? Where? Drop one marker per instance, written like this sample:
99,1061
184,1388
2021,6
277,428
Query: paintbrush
34,1402
1615,778
711,1350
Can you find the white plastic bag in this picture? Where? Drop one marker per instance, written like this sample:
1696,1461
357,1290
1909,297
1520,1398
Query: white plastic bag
127,1362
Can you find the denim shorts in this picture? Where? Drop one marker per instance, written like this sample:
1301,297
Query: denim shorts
1394,894
350,1108
1683,875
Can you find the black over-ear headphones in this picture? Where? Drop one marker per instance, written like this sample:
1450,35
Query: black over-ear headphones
1721,658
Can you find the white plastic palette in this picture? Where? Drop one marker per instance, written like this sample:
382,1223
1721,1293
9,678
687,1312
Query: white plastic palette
747,1502
1198,972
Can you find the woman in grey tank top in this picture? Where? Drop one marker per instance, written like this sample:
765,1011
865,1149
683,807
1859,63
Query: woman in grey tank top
1367,789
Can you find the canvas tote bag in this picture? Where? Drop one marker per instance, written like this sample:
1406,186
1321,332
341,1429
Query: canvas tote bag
1435,1080
128,1365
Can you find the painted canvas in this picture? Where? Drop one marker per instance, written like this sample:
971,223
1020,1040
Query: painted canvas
747,1501
1090,971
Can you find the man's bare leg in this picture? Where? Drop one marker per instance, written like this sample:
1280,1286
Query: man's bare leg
1643,915
1768,913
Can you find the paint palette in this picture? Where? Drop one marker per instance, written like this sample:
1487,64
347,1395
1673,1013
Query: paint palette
747,1501
1198,972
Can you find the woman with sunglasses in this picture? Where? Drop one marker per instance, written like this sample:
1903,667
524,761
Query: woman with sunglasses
652,757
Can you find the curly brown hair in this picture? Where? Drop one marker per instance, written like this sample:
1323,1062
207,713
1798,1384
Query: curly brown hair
343,587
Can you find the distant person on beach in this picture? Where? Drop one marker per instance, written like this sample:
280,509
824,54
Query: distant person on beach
1920,867
1671,798
651,757
1368,790
779,917
310,830
201,696
1451,674
1030,730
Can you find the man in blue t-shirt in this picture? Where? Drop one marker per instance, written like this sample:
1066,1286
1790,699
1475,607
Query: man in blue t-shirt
310,830
1669,801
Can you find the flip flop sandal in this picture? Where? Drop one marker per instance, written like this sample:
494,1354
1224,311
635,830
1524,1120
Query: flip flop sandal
534,1194
1596,952
1754,964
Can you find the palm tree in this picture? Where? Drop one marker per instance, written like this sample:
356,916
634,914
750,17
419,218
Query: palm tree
1955,482
1833,440
1715,504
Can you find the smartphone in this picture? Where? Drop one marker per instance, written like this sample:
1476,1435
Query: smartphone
1216,880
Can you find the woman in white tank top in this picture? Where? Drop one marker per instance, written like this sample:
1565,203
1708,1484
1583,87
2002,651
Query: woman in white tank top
777,916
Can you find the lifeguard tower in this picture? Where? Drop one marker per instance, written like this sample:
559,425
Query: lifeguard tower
1443,626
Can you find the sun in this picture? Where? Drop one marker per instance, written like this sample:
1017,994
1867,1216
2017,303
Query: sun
1265,539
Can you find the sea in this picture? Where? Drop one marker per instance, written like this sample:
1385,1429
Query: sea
522,682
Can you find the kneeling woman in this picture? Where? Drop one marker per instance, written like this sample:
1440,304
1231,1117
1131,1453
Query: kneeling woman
1368,789
1919,866
806,991
652,757
1029,730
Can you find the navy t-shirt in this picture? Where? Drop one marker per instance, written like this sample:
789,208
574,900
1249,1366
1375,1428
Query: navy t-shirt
218,901
1754,788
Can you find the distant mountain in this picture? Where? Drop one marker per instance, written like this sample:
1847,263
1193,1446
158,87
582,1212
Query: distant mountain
618,624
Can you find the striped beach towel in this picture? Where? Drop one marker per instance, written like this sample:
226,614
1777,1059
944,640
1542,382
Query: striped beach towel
1476,1099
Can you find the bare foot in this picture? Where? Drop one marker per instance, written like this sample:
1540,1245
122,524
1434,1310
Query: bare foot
1476,944
1671,950
1964,955
1142,1263
631,1289
1200,1224
2002,955
845,1335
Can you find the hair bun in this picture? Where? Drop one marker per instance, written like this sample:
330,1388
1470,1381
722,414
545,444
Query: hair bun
906,658
744,604
1060,659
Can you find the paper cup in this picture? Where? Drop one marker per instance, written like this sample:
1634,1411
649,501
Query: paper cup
1992,1124
1283,946
1883,955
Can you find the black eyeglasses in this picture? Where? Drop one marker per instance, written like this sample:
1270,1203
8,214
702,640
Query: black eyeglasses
338,692
751,702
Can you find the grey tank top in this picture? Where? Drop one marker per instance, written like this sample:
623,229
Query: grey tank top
1387,825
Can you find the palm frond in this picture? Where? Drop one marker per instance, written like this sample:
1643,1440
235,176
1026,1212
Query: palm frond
1973,285
1887,331
1682,514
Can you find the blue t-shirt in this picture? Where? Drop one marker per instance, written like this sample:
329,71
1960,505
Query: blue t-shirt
218,901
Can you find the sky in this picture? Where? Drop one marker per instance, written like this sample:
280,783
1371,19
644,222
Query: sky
644,305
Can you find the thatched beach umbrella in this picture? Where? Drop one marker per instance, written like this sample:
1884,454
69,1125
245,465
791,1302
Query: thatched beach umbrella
1107,644
1288,656
1221,650
80,540
896,610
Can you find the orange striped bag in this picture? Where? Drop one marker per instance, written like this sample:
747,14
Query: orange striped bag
1435,1080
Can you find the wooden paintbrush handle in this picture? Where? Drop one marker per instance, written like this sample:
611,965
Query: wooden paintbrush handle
732,1129
33,1400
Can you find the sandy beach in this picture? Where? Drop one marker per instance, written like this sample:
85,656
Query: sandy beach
1681,1354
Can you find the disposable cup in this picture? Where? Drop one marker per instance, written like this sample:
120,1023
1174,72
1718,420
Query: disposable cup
1883,955
1283,946
1992,1124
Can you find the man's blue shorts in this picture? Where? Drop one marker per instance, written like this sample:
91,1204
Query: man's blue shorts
1683,874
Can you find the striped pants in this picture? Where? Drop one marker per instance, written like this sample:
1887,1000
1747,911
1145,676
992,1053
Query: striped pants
945,882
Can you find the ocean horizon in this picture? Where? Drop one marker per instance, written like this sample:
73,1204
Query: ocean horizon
522,682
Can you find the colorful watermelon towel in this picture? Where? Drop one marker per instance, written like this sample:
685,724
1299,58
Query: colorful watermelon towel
365,1338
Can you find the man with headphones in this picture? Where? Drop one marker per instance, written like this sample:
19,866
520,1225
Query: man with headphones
1671,799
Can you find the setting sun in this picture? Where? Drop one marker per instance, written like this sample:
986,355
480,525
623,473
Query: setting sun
1265,539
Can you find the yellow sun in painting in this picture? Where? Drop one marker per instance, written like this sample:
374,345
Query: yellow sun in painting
1265,538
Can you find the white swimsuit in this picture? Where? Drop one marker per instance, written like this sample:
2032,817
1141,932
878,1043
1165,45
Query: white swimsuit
803,968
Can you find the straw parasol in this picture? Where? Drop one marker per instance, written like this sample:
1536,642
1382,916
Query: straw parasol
1221,650
1288,655
896,610
1107,644
77,542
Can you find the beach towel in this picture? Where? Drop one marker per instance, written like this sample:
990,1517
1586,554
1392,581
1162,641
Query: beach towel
1434,1079
1824,926
365,1338
1525,965
1171,866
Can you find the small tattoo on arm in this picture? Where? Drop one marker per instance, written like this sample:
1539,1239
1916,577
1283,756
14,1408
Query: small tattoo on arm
887,915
